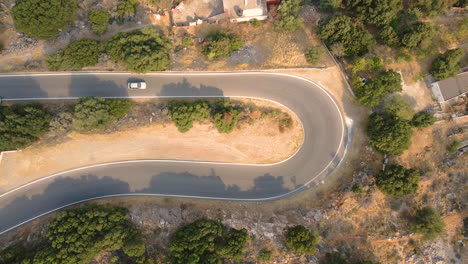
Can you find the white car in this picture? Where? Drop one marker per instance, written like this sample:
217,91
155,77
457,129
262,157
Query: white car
136,85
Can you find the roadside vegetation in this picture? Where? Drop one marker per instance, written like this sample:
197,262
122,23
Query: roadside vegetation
79,54
220,44
99,20
300,240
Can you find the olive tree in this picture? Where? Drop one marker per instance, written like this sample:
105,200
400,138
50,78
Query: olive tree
447,64
397,180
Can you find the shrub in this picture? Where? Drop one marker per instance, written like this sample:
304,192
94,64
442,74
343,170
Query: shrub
119,108
22,125
341,30
388,36
284,122
330,5
428,223
313,54
453,147
187,41
135,247
371,92
429,7
300,240
417,35
389,134
265,255
127,8
400,107
141,50
423,119
357,188
80,53
91,113
220,44
99,20
184,113
225,116
377,12
447,64
288,16
233,244
43,19
255,23
335,258
397,181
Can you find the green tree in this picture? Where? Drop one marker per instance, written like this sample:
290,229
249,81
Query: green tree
233,244
127,8
397,181
330,5
142,50
423,119
195,243
22,125
135,247
399,106
377,12
79,54
453,147
184,113
220,44
313,54
91,113
429,7
417,35
43,19
389,134
372,91
289,19
225,116
119,108
99,20
300,240
265,255
447,64
428,223
342,30
388,36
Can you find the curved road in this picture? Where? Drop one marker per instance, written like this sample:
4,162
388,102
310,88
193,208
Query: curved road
322,150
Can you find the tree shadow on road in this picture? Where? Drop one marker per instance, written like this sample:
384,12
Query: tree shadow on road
185,88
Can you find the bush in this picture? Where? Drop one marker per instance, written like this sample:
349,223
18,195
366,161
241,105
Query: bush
389,134
184,113
377,12
388,36
423,119
330,5
400,107
428,223
429,7
142,50
355,39
22,125
187,41
265,255
225,116
300,240
43,19
202,242
80,53
99,20
453,147
357,188
119,108
288,16
397,181
220,44
233,244
313,54
127,8
92,113
447,64
135,247
372,91
417,35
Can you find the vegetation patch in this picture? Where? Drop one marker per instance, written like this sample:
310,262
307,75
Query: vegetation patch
99,20
428,223
447,64
79,54
184,113
289,19
371,91
225,116
397,181
220,44
301,240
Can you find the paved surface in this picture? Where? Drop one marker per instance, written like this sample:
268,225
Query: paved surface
321,152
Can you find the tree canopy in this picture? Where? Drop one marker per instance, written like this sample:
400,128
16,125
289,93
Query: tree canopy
423,119
43,19
377,12
98,113
417,35
220,44
447,64
141,50
399,106
225,116
80,53
300,240
428,223
389,134
397,181
373,90
342,30
99,20
289,19
184,113
21,125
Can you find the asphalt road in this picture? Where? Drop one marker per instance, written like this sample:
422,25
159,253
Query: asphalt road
322,150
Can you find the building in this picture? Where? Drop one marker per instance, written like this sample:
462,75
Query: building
451,88
245,10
